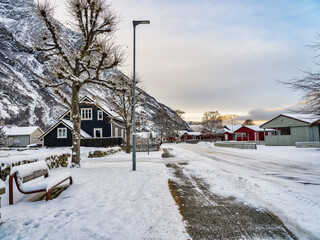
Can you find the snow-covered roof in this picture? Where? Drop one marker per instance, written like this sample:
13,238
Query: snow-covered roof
180,133
309,118
19,131
70,125
257,128
103,107
110,112
194,133
230,128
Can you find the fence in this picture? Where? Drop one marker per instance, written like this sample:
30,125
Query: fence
240,145
102,142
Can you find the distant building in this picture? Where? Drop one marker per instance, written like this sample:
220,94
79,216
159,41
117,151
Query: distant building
191,136
25,135
292,128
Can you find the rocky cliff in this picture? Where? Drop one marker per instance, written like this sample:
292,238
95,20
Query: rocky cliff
23,100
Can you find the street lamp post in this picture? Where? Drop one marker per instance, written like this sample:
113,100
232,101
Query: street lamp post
135,23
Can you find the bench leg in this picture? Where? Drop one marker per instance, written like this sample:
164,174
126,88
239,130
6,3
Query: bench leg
48,195
11,190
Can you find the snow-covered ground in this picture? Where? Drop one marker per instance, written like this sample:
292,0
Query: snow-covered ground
109,201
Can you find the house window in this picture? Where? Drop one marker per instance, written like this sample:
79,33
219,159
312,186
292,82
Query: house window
285,131
116,132
122,132
241,135
97,132
62,132
100,115
86,113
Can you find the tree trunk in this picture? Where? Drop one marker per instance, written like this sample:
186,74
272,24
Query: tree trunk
76,119
128,135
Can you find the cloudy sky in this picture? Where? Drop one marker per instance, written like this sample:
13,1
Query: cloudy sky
202,55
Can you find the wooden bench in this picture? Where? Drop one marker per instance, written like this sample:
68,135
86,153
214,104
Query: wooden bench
23,175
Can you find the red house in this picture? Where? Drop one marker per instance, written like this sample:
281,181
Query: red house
227,135
228,132
250,133
207,135
191,136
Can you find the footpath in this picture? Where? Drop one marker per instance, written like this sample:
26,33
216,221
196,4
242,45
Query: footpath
209,216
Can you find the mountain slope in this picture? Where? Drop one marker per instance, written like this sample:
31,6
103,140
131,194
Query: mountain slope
23,101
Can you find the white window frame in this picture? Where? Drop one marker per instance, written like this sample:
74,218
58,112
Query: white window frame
94,132
98,112
116,132
63,130
83,112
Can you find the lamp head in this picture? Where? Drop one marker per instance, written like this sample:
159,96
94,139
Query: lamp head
137,22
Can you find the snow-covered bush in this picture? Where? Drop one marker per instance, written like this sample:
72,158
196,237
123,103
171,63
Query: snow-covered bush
98,153
56,161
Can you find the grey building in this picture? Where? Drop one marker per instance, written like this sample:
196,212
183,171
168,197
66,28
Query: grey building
25,135
292,128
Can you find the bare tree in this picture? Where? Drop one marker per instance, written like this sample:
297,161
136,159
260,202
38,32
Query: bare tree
180,113
163,123
309,86
5,140
84,60
248,122
123,105
212,121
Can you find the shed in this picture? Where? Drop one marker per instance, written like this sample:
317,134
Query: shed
292,128
25,135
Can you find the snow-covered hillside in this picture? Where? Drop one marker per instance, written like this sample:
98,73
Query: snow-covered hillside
23,101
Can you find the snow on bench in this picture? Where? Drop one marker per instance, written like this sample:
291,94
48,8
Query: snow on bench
23,175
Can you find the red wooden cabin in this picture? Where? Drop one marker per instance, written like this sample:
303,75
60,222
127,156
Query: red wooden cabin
191,136
250,133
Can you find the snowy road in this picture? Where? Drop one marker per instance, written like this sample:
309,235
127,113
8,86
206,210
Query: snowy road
284,180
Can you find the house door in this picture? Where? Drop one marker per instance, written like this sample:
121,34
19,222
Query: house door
97,132
226,137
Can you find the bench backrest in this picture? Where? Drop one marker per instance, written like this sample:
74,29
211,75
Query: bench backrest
30,171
